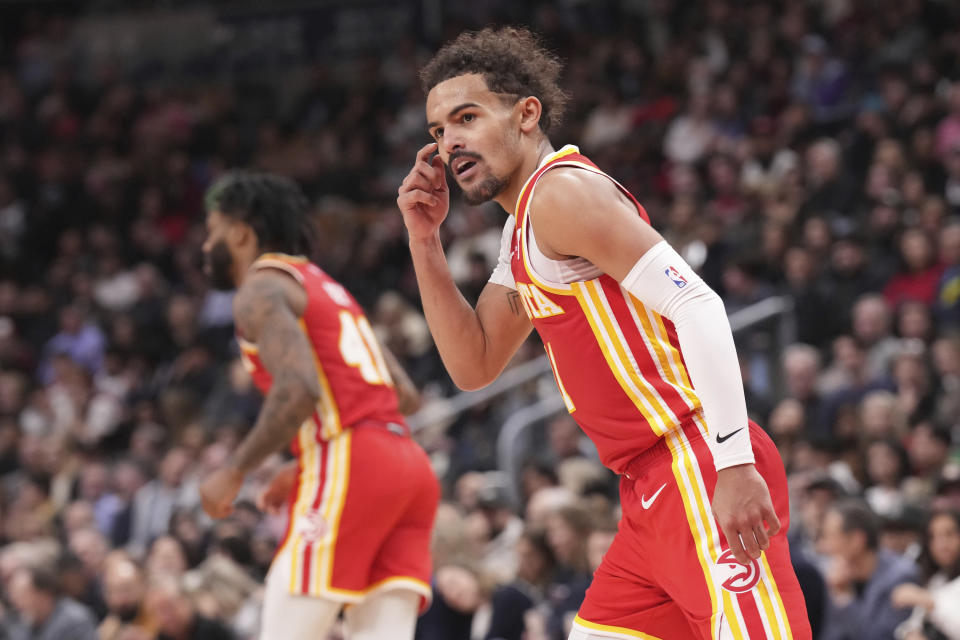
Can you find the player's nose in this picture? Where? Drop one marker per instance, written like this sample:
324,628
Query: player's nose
452,142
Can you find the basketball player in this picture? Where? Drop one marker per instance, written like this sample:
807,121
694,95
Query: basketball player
641,350
364,497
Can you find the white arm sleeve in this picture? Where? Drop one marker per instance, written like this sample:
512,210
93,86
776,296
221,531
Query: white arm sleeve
663,281
503,273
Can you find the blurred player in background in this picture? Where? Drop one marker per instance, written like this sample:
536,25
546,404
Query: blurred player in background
362,494
641,349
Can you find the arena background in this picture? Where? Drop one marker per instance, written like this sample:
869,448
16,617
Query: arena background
804,156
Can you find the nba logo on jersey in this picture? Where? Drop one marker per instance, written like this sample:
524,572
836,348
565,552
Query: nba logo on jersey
677,278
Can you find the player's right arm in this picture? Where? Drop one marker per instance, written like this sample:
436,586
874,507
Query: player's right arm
475,344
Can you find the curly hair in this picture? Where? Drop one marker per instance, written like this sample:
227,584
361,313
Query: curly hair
273,205
511,60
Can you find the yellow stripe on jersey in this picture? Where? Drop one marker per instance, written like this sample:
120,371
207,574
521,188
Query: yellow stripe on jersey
694,522
567,400
658,343
620,359
780,612
283,257
306,493
332,510
621,632
761,596
697,503
329,413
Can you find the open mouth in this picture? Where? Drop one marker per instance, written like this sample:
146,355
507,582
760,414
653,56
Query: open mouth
464,167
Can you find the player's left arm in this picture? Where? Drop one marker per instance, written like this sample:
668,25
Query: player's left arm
580,213
408,396
264,314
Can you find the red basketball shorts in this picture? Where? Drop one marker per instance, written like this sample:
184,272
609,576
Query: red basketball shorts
669,573
361,518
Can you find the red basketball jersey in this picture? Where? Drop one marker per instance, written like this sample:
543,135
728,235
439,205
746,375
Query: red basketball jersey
355,385
618,364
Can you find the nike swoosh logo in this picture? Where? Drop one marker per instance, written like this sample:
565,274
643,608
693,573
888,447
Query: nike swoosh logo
721,439
646,503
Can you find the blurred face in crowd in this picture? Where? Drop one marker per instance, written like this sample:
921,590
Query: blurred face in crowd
32,604
460,588
944,539
800,369
950,245
914,321
91,547
883,464
834,541
166,557
927,451
174,467
916,250
871,319
479,134
946,356
532,563
597,545
564,437
123,589
170,608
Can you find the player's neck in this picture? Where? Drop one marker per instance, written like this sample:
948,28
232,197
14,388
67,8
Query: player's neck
509,196
243,264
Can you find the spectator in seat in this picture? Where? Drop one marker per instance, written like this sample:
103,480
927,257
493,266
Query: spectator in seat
42,613
935,604
861,576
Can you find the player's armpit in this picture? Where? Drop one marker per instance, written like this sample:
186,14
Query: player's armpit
264,314
580,213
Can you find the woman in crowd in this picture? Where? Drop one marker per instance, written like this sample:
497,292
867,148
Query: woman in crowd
936,606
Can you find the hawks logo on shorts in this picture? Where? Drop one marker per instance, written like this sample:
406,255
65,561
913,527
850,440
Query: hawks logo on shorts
313,526
739,578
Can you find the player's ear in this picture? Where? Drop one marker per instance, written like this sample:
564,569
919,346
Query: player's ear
240,234
530,112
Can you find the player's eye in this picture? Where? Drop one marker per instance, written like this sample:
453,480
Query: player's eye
438,133
467,117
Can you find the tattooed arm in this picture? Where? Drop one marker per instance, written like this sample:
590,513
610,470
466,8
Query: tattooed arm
266,310
475,344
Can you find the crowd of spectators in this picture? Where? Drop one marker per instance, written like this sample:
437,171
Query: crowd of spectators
805,148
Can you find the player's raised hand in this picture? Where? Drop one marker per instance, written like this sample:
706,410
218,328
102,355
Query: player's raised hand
424,198
744,511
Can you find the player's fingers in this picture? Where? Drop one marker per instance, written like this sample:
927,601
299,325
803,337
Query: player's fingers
736,545
763,541
425,151
773,522
440,171
415,180
428,172
415,197
750,545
